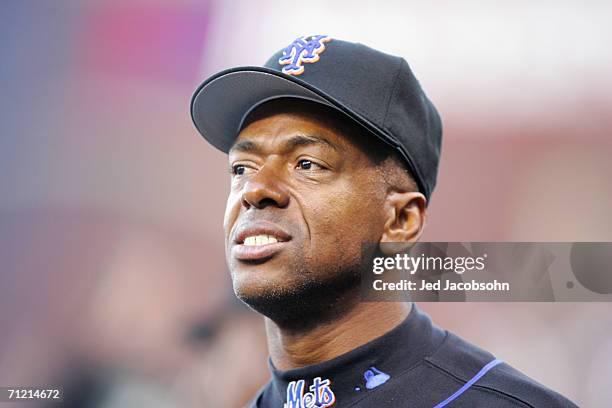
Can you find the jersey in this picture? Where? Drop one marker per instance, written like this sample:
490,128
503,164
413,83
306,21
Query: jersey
416,364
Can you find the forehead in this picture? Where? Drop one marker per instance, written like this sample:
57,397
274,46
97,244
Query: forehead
277,120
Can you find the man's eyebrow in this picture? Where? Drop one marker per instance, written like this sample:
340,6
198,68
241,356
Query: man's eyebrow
307,140
288,145
244,146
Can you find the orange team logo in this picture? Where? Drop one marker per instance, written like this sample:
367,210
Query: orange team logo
303,49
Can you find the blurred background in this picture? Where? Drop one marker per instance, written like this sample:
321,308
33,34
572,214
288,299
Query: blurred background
112,276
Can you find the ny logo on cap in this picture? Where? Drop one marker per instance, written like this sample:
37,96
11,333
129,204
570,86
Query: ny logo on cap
303,49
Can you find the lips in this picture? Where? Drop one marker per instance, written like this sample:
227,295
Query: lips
258,240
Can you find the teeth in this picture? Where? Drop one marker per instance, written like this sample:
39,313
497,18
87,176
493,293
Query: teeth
260,240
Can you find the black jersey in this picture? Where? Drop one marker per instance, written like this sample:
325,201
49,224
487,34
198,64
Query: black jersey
417,364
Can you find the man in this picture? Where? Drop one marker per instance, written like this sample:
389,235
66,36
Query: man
332,145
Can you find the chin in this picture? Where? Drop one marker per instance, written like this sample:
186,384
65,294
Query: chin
257,276
293,298
259,281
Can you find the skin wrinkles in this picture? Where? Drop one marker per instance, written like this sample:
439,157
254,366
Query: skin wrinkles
295,141
330,187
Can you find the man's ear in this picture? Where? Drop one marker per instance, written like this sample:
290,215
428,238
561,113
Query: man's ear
406,214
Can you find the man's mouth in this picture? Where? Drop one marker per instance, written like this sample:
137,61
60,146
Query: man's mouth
256,241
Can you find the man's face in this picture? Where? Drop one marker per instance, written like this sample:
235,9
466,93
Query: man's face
304,196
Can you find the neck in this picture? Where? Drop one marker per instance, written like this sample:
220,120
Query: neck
364,322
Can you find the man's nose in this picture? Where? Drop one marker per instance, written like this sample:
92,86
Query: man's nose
264,189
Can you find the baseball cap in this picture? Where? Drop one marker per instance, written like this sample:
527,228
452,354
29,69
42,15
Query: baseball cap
376,90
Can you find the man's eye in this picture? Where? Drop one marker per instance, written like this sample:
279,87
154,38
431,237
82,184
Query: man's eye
238,169
306,164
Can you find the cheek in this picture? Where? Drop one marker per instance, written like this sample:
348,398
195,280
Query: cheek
342,220
232,210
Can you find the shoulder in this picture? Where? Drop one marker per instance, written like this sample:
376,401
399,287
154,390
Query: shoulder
462,361
264,398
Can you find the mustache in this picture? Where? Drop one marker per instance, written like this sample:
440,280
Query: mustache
267,217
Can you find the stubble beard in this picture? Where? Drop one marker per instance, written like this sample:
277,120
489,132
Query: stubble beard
308,300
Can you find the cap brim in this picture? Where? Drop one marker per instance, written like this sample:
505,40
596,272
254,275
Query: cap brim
220,105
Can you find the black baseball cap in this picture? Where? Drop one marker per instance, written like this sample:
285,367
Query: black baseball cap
376,90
